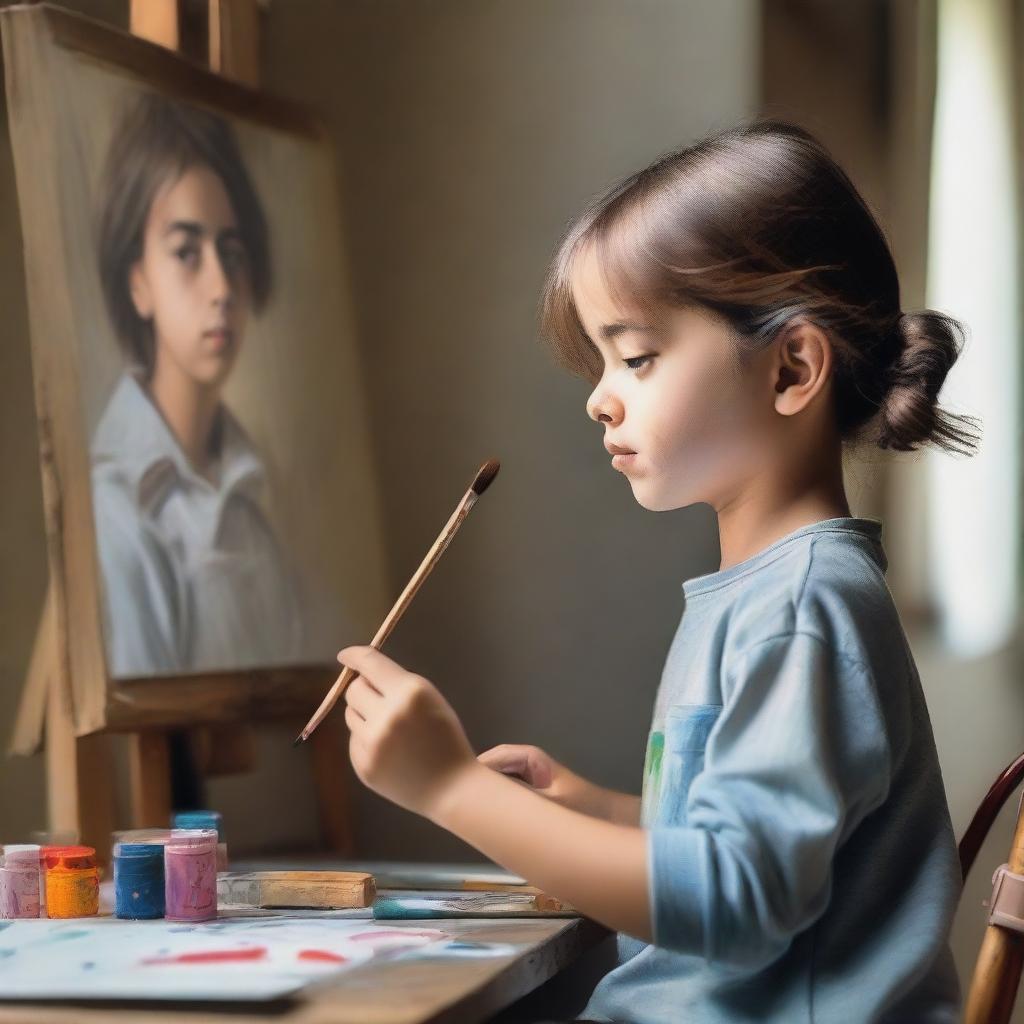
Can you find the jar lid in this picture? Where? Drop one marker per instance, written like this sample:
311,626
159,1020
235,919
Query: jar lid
199,819
21,854
191,840
139,851
70,858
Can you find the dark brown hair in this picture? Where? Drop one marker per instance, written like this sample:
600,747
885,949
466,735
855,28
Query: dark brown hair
759,224
156,142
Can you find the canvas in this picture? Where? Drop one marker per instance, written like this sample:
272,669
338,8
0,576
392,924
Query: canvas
206,460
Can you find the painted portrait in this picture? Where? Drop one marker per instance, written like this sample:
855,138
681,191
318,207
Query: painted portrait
194,574
196,354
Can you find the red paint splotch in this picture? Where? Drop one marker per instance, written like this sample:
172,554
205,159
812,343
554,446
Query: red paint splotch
213,956
323,956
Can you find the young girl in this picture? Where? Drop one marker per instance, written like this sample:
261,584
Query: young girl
193,576
792,857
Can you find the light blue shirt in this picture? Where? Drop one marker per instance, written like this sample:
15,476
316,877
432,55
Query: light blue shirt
802,861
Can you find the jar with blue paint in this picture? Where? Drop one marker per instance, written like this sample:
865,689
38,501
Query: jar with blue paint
139,880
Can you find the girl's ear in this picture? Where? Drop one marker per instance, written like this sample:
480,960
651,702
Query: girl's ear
803,365
138,287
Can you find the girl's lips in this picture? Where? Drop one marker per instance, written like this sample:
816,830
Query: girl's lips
621,461
219,339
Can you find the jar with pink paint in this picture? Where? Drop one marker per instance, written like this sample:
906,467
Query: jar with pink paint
190,873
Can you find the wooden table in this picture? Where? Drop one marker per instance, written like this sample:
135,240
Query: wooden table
387,992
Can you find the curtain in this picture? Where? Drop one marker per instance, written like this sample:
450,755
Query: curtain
974,274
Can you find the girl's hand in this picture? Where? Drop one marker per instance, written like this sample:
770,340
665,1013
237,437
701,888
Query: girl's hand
539,770
407,743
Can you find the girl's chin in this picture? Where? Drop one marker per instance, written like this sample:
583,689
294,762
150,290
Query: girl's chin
654,500
213,374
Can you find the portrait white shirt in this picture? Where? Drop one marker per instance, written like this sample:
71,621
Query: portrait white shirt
193,576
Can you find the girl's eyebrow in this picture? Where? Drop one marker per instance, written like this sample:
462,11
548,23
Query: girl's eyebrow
190,227
196,230
619,327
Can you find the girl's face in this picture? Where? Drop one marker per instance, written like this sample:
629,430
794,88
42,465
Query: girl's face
675,396
192,280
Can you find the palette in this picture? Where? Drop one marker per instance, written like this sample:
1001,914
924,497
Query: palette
237,959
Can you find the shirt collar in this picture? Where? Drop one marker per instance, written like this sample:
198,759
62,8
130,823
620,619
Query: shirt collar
134,436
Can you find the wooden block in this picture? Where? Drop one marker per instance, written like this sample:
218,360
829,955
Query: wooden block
323,890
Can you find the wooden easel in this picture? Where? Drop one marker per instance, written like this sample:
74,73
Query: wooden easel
80,769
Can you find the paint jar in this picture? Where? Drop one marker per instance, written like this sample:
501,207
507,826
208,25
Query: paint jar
190,873
53,837
72,881
139,880
19,880
205,819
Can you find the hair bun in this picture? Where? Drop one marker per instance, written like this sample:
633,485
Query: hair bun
910,414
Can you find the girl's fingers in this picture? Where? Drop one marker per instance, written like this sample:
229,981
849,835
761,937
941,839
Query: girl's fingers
353,719
362,696
382,673
508,759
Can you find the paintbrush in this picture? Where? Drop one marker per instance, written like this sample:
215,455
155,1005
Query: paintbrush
487,472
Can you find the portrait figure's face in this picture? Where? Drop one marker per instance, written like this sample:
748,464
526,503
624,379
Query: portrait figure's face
191,281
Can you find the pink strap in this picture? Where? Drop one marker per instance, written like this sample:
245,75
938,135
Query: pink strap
1007,903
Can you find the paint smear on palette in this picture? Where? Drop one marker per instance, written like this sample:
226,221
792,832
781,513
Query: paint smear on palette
322,956
213,956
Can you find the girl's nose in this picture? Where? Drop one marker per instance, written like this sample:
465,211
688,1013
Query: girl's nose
218,279
603,407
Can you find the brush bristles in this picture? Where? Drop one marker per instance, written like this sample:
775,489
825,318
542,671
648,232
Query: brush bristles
488,471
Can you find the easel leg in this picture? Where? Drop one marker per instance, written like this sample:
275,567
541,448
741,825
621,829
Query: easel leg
79,778
149,768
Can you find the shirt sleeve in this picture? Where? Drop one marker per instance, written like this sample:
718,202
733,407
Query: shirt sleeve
798,756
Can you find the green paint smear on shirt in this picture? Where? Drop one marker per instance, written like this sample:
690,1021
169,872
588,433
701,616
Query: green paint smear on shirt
652,774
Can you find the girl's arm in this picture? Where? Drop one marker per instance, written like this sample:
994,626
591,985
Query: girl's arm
408,745
543,773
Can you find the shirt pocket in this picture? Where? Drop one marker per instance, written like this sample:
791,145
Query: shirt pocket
687,727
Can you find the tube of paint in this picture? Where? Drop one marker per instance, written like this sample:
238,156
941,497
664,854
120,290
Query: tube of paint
19,880
205,819
190,872
139,880
72,881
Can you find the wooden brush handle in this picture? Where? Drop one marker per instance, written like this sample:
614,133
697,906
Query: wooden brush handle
414,584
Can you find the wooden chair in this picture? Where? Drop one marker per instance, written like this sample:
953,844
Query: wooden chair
997,970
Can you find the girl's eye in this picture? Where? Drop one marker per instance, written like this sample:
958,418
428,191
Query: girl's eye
187,254
635,362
